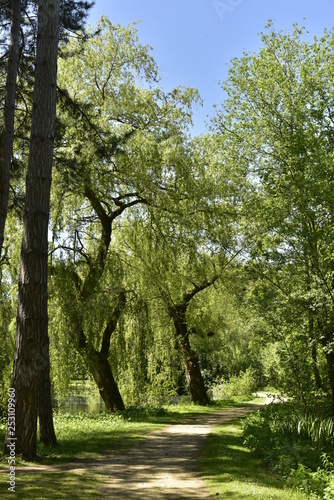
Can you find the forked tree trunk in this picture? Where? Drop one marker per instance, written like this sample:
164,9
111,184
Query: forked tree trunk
31,359
177,313
6,144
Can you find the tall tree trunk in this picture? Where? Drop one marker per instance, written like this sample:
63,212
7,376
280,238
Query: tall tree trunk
30,362
315,366
195,380
326,339
6,146
316,372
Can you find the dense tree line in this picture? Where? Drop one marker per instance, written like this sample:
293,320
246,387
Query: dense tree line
173,262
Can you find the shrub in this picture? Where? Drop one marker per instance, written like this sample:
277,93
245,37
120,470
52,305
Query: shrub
242,385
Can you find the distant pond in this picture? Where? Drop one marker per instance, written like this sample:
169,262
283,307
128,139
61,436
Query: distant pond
83,397
76,404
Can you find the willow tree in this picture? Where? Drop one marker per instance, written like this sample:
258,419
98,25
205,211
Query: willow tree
191,244
277,122
118,128
175,273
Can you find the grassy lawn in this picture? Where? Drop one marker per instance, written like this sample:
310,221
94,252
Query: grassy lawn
230,471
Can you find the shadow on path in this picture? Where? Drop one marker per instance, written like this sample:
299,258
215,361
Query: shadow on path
164,466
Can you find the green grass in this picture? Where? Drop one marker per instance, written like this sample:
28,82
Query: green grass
53,485
230,471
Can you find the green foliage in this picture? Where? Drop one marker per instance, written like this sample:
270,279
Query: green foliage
275,125
317,484
143,357
298,447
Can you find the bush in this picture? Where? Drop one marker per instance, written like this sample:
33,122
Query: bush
242,385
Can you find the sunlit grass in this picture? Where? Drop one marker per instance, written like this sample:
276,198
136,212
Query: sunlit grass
230,470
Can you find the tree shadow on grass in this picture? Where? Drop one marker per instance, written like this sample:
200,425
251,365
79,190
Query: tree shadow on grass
41,485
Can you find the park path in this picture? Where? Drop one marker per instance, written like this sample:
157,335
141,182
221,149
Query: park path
165,465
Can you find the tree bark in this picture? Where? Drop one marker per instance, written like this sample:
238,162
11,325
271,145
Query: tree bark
31,358
6,147
97,362
330,366
195,380
316,372
99,367
326,339
315,366
47,433
194,377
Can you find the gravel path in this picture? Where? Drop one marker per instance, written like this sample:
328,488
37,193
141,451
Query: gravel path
165,465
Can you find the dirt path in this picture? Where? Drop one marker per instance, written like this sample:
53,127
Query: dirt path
163,466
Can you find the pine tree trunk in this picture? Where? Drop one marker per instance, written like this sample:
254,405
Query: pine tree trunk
31,359
47,433
6,147
195,380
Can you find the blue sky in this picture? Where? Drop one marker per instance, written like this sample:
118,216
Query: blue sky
194,40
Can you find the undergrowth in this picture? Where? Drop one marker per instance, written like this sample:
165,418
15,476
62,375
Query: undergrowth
299,447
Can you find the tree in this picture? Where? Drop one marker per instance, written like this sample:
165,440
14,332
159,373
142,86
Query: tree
7,136
277,124
190,246
31,362
21,16
111,160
